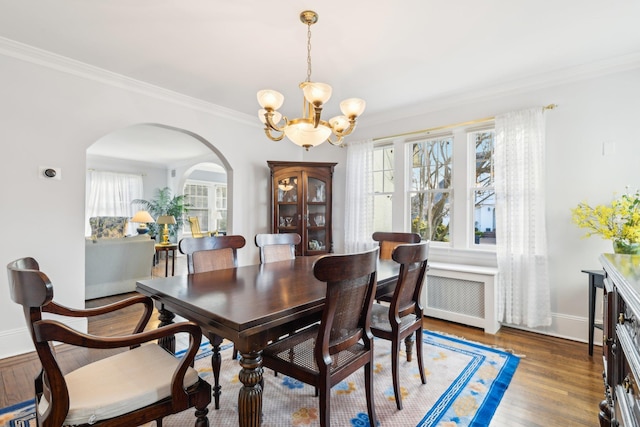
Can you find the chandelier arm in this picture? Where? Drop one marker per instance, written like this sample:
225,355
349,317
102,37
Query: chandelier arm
316,116
267,132
338,142
268,116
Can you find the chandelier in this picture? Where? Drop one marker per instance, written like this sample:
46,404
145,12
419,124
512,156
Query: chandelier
309,130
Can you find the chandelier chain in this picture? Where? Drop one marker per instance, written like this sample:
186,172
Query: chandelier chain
309,52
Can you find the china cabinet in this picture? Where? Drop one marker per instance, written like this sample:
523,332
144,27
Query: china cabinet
301,203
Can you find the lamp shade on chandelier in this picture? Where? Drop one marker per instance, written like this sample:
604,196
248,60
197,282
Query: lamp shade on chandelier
309,130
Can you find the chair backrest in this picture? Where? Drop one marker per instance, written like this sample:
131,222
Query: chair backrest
31,288
413,267
351,283
389,240
277,247
194,223
211,252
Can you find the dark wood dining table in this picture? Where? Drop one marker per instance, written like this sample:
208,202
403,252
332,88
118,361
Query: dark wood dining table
250,306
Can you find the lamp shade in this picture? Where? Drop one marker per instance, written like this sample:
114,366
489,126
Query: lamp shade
352,107
304,134
166,219
142,217
316,93
270,99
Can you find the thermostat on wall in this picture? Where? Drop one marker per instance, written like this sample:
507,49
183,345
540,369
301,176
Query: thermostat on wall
50,173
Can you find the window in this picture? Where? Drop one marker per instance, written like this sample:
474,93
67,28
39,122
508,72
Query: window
208,202
483,194
196,197
221,208
111,194
383,187
430,188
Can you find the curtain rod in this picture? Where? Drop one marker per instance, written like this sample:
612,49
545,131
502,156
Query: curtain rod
455,125
120,172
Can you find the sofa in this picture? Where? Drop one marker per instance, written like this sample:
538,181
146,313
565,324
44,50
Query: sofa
114,261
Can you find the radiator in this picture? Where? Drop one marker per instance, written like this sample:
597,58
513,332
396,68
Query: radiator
461,294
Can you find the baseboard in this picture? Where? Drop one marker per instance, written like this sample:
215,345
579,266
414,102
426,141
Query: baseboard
18,341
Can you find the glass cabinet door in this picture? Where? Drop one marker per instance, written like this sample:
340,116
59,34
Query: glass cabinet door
287,204
316,215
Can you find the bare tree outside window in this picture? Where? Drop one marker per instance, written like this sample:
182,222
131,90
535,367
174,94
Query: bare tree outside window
483,191
430,192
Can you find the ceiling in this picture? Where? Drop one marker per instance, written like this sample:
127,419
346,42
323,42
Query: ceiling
393,54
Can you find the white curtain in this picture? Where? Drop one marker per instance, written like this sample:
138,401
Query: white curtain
521,243
358,224
111,194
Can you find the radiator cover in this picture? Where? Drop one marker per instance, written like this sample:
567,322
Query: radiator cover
462,294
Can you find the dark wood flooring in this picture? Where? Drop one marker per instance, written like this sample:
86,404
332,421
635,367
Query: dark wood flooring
556,384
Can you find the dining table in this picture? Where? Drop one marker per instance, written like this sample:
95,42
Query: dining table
249,305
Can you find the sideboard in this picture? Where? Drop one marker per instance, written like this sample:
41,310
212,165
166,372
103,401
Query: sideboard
621,341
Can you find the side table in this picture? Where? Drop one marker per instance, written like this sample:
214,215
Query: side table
596,280
166,249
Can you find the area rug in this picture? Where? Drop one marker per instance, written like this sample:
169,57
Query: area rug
465,383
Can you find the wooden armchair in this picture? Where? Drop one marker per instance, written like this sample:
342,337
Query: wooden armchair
324,354
208,254
403,316
136,386
277,247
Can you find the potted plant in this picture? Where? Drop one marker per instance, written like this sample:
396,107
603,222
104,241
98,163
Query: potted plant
618,221
165,203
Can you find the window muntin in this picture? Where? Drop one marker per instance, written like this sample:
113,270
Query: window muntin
383,186
430,192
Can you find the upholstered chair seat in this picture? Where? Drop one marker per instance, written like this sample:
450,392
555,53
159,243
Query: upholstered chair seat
96,391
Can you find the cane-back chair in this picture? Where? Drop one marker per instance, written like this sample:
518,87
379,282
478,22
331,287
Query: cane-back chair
277,247
210,253
387,241
403,316
141,384
326,353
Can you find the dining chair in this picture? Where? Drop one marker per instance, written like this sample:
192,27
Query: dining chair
210,253
141,384
387,241
326,353
403,316
277,247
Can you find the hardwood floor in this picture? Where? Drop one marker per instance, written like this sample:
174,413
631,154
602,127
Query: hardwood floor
556,384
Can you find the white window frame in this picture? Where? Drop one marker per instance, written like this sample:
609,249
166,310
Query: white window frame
461,248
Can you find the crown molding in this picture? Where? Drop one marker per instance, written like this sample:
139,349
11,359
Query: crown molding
514,87
67,65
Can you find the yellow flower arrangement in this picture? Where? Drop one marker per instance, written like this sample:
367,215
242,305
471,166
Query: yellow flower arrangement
618,221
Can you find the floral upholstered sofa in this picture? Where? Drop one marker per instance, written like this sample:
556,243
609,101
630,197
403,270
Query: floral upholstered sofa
113,260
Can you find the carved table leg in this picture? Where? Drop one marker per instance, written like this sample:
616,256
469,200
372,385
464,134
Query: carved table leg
408,343
605,414
216,363
250,396
166,318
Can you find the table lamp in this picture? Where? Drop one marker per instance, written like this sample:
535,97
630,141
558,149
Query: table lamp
166,220
142,218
